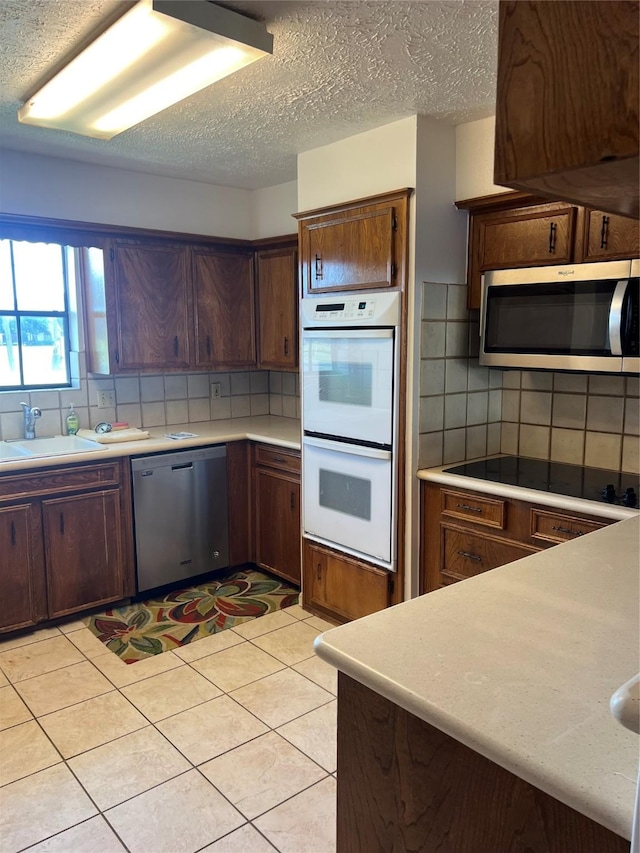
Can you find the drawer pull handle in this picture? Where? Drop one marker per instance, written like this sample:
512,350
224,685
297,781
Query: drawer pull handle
469,508
319,571
62,524
568,531
208,345
319,273
552,237
286,346
13,534
293,500
604,233
175,345
279,459
469,556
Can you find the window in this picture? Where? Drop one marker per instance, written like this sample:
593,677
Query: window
34,316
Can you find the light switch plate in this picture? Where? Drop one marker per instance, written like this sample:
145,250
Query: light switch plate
216,390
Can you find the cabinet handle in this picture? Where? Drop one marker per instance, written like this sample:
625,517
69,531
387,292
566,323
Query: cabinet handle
319,572
567,530
286,346
13,534
468,508
279,459
208,345
62,524
552,237
292,497
469,556
604,232
318,266
175,345
117,357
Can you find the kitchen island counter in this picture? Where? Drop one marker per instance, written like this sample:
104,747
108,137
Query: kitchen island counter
519,664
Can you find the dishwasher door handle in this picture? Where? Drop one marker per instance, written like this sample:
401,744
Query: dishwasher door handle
182,467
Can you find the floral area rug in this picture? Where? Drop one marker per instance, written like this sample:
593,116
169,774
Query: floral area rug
147,628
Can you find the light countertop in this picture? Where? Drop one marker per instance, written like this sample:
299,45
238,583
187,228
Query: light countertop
505,490
519,664
271,429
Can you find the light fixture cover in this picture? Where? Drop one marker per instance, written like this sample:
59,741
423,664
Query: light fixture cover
156,54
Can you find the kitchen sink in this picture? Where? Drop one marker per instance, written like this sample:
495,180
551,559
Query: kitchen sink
11,451
54,446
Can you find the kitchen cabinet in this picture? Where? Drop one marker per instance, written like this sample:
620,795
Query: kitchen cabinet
362,244
567,102
159,306
511,230
465,533
340,587
277,296
66,541
277,511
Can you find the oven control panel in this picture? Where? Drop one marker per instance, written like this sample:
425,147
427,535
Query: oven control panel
348,309
361,309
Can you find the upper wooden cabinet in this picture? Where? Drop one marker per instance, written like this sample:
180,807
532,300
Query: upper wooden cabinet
169,307
277,296
510,230
567,102
362,244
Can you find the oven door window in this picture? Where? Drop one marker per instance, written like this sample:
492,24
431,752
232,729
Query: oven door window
348,383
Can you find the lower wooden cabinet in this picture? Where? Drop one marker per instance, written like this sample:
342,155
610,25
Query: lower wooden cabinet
65,541
277,510
342,587
465,533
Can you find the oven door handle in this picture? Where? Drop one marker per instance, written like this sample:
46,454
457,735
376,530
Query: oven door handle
615,318
352,449
341,334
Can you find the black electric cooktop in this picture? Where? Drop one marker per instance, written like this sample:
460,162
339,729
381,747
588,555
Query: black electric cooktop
593,484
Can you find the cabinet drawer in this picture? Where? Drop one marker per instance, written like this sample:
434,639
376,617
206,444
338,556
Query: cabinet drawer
466,554
276,457
555,527
473,507
59,480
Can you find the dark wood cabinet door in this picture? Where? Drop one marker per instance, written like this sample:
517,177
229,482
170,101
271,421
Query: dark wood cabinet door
152,307
224,309
22,582
527,239
83,544
277,309
609,237
278,524
342,587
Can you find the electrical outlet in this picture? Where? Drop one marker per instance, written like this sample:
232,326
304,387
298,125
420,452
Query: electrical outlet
216,390
106,399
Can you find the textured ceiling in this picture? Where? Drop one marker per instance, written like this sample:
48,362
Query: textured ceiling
338,68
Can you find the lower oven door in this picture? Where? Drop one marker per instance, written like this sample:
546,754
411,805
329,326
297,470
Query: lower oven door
348,499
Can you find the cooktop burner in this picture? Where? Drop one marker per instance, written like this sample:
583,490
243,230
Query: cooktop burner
593,484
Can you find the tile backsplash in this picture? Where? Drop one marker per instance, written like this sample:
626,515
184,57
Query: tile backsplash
145,400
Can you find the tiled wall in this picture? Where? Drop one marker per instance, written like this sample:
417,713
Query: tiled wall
156,400
460,402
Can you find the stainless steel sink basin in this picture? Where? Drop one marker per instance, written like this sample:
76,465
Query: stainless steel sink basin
11,451
55,446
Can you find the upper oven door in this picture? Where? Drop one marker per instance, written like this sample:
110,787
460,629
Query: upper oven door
348,383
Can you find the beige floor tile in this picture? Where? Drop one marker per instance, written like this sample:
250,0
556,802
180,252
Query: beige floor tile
261,774
208,730
322,673
25,749
87,642
291,644
183,815
280,698
207,646
121,674
40,805
3,679
315,734
37,658
297,612
127,766
72,625
306,823
264,624
47,693
13,711
170,692
321,625
237,666
92,836
243,840
92,723
28,638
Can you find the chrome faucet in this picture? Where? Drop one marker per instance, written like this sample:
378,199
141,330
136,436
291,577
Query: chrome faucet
30,415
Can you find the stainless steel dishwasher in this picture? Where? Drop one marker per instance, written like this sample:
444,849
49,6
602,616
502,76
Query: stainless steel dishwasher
180,513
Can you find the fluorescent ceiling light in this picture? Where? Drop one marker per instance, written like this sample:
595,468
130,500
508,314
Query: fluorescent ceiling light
156,54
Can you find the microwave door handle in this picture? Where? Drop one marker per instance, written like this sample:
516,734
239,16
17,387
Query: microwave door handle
352,449
615,317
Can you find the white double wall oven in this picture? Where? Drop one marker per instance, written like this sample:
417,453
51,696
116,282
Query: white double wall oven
349,370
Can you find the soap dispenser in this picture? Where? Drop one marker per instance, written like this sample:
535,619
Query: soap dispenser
73,422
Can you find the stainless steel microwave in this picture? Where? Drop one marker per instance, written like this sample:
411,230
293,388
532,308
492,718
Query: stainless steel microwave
572,317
